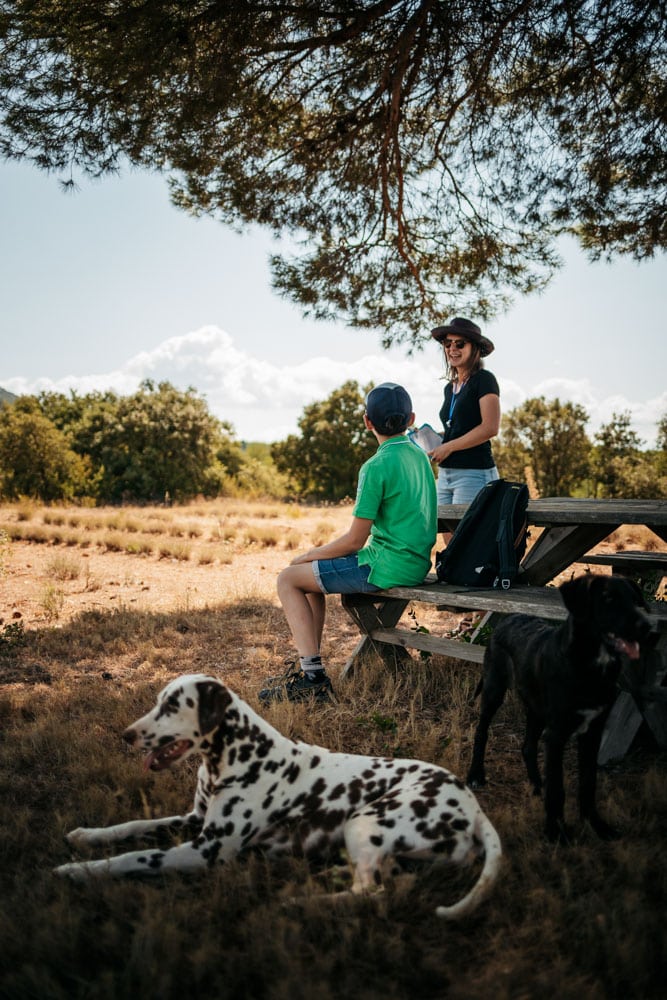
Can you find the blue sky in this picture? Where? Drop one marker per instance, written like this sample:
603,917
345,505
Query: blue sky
110,285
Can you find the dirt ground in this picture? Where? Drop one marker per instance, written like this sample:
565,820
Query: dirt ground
33,590
113,579
108,579
241,573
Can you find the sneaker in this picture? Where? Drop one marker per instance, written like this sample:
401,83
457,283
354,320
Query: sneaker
296,686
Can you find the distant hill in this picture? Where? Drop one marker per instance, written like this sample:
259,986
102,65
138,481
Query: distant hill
6,397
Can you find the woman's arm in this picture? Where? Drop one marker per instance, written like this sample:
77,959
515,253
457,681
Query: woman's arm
489,408
346,545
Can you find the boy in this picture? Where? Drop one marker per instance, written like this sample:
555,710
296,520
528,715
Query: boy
388,544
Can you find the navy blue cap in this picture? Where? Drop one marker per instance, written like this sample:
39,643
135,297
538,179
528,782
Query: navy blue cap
388,407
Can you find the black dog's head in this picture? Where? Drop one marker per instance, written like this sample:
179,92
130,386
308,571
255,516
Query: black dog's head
611,606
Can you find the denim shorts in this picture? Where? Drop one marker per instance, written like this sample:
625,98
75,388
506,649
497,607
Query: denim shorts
463,485
343,576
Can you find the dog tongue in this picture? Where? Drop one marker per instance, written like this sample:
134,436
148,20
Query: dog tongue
158,759
631,649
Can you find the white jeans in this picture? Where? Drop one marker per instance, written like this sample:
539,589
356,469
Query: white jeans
463,485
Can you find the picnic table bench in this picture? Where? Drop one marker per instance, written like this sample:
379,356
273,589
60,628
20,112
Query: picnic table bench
570,528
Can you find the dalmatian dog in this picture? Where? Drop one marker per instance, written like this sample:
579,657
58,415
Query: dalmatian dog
257,789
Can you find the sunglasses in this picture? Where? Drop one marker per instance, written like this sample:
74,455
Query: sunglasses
458,344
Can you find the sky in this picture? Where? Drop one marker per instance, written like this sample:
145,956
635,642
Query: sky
111,285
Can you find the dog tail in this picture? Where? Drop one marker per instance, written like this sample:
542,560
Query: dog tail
486,832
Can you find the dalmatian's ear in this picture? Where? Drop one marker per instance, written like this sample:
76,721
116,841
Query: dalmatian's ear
213,701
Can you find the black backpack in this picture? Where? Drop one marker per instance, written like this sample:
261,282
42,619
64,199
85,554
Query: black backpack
490,539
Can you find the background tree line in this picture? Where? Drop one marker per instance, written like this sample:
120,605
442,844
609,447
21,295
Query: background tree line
158,442
161,441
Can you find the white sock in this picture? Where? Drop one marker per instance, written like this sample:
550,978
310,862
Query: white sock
312,665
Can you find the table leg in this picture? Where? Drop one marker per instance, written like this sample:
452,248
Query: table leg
621,728
558,547
653,694
638,703
660,530
369,613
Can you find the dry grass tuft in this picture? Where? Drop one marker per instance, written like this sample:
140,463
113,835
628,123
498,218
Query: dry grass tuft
63,567
635,537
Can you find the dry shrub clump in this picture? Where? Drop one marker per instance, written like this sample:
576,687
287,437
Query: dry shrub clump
635,537
568,922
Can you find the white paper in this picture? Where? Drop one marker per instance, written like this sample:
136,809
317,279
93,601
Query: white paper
425,437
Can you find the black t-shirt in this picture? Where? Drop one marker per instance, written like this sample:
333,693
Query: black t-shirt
463,415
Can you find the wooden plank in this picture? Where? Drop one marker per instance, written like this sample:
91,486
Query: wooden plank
571,510
370,612
632,561
393,655
430,643
621,728
574,510
544,602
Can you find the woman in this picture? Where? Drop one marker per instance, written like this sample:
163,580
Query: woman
470,414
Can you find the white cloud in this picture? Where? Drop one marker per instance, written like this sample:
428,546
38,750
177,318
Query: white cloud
264,401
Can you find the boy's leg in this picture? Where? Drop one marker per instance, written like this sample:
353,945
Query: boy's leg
301,589
318,606
304,605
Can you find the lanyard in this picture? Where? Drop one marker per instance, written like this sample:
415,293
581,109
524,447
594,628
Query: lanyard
453,402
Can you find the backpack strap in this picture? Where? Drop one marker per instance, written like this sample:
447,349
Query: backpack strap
506,540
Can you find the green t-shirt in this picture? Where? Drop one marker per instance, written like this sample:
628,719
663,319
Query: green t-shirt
396,492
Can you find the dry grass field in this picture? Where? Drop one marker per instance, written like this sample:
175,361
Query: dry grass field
99,608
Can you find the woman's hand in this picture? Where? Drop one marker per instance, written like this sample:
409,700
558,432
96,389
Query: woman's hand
442,452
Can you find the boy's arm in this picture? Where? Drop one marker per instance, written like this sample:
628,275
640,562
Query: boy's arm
354,539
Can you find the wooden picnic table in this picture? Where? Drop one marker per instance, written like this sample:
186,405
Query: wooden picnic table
570,527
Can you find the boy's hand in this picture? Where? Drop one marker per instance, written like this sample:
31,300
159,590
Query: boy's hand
305,557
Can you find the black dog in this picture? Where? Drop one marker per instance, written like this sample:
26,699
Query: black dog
566,676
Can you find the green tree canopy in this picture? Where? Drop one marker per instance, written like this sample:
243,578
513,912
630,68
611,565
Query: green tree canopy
425,154
324,461
35,457
157,440
550,437
662,433
617,446
622,468
164,441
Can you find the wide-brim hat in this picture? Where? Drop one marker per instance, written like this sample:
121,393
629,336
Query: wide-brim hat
465,328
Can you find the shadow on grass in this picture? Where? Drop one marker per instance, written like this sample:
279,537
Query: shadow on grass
584,921
98,639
